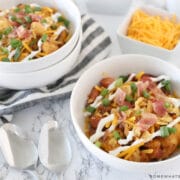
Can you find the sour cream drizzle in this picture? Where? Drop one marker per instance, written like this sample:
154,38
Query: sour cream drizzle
175,101
116,151
2,13
128,139
11,54
56,16
59,31
160,78
131,77
34,53
99,133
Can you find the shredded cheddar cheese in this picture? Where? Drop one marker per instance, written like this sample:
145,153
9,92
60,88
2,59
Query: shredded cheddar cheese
154,30
139,75
130,151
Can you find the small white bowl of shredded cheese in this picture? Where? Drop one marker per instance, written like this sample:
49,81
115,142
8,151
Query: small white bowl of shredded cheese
148,30
114,67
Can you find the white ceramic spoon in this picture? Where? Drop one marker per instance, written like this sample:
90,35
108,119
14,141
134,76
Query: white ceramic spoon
18,151
54,148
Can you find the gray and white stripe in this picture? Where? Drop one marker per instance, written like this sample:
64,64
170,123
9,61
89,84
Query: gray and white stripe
95,47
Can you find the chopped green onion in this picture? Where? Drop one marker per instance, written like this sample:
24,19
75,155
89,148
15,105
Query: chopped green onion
138,112
133,88
7,31
17,9
13,18
19,20
104,92
91,109
37,8
171,130
5,59
28,9
119,82
4,50
166,104
123,108
43,21
106,102
15,43
166,131
54,27
116,135
1,36
17,54
146,94
167,85
98,144
129,98
124,78
28,19
44,37
65,21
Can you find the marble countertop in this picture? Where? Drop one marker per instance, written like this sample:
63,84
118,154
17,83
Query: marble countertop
84,166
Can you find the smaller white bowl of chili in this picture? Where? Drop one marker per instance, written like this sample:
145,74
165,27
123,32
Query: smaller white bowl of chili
36,34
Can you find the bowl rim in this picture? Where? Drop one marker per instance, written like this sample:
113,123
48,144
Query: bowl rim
84,139
128,18
75,33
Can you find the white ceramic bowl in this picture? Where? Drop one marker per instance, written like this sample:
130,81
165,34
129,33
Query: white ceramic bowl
115,66
42,77
129,45
68,8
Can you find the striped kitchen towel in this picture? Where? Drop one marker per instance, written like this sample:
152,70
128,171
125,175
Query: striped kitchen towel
95,47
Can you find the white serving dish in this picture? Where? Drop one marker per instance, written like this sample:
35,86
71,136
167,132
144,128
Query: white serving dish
68,8
129,45
173,6
115,66
42,77
107,7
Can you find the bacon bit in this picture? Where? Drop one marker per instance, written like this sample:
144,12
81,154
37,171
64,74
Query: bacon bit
105,82
147,120
148,79
142,86
13,23
13,34
120,96
35,17
158,108
122,116
125,103
22,32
